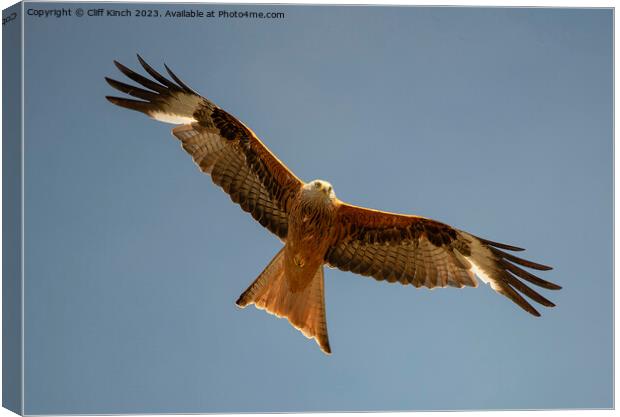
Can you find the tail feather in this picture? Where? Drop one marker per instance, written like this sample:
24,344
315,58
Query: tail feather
304,309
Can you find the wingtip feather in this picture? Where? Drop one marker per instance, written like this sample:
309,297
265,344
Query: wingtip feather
179,81
502,245
137,105
520,261
120,66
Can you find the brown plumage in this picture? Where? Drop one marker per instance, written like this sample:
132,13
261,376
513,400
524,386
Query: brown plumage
315,226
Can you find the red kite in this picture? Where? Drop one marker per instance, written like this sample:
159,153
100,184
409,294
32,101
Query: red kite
315,226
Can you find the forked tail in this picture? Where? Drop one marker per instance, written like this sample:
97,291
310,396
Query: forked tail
304,309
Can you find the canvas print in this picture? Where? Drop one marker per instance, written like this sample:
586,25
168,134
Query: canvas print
382,168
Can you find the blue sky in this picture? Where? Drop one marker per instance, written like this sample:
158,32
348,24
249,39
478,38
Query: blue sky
496,121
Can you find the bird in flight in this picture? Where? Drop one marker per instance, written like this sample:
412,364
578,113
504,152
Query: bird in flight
317,228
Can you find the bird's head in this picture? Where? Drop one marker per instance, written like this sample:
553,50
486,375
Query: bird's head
320,188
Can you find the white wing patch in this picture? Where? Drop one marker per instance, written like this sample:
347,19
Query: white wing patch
175,119
178,109
481,261
479,272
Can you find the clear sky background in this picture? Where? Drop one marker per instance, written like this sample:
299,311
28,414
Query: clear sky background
497,121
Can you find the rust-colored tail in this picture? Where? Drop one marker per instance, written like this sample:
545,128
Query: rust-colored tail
304,309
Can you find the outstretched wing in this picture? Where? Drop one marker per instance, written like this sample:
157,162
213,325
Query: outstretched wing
423,252
219,144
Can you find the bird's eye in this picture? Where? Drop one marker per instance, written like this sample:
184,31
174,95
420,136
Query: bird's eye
329,190
317,185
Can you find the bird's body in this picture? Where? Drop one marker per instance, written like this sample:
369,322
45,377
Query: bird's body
316,227
313,215
303,254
